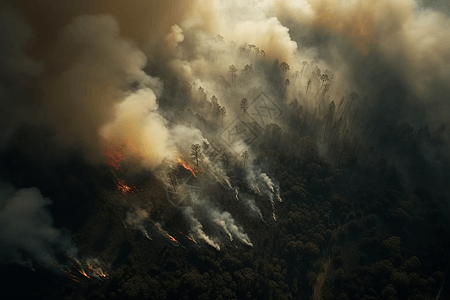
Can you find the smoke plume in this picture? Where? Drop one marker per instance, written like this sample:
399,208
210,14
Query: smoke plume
152,78
27,233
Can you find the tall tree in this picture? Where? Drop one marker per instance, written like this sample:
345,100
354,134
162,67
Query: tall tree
308,85
244,105
248,69
214,102
326,88
223,112
196,153
284,67
245,156
233,71
316,73
324,78
286,83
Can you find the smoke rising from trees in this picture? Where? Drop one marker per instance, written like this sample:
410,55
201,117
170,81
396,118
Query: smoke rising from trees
359,84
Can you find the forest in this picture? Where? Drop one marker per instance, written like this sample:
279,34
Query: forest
220,168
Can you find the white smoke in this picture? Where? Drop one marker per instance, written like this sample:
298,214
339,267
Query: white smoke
197,228
261,183
251,204
136,221
227,223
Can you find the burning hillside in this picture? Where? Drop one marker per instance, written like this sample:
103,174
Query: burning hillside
221,150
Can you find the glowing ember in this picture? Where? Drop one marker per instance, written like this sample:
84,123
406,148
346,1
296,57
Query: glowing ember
124,188
114,157
68,274
71,276
167,234
185,235
99,272
181,162
82,272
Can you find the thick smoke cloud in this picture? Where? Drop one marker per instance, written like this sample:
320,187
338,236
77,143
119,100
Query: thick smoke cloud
17,71
143,76
27,233
399,44
97,76
394,55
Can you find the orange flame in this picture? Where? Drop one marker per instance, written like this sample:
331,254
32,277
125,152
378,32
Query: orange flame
71,276
114,157
185,235
82,272
99,273
124,188
168,235
181,162
68,274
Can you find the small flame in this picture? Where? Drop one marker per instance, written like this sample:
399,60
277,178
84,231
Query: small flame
124,188
71,276
68,274
82,272
185,235
167,234
185,165
99,272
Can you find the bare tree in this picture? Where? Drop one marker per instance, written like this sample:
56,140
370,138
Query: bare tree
196,153
245,156
244,105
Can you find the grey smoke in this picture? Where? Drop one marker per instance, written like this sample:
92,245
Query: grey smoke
26,230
